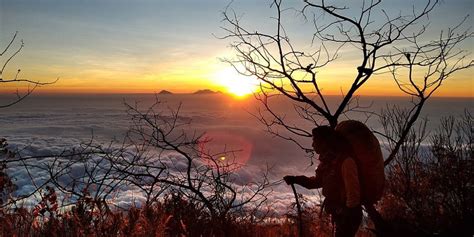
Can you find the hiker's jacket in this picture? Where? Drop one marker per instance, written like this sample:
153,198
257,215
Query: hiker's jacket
338,177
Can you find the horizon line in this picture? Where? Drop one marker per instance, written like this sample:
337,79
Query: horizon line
196,93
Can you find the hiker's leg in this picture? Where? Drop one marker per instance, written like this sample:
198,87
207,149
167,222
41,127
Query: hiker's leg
347,223
381,226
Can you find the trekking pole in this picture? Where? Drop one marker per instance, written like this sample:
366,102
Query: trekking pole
298,207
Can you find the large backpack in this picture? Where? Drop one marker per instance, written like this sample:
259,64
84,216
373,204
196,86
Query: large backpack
368,157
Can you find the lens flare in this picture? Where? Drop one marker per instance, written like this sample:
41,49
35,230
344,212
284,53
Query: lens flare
224,148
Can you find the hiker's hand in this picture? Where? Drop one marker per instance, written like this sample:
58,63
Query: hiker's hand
290,179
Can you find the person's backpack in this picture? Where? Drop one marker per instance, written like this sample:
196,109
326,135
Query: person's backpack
368,157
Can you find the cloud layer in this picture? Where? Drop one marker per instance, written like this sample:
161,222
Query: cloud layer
50,125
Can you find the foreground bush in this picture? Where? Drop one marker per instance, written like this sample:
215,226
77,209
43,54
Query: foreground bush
431,192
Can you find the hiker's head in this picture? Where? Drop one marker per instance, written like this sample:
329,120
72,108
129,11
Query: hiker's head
323,137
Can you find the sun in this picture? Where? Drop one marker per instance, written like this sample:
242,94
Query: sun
235,83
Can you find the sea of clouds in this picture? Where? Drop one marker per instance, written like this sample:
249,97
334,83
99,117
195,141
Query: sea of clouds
45,125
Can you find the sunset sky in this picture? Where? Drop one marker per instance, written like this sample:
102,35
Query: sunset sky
144,46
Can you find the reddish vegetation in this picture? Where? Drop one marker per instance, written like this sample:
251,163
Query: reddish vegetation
172,217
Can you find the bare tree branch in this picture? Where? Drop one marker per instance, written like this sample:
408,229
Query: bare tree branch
395,45
31,84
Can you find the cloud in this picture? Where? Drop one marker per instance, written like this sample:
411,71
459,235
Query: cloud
130,195
49,125
279,198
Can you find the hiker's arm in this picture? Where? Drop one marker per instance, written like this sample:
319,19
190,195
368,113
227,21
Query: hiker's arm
307,182
350,177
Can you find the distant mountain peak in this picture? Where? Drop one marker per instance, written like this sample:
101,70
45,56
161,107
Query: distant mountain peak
165,92
204,91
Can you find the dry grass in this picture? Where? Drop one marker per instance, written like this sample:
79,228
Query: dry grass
172,217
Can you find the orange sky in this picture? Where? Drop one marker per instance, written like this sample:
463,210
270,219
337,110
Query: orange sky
148,47
460,85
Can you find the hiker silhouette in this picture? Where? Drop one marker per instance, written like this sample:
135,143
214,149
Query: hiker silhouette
349,176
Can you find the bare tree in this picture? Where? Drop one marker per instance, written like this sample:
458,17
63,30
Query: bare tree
55,164
186,165
385,42
397,44
161,155
8,54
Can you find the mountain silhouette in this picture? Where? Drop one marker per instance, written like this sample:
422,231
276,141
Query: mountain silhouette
204,92
165,92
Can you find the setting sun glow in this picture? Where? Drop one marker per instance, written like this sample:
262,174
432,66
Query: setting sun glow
236,84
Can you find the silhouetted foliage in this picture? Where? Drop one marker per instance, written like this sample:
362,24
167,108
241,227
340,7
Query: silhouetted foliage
431,189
